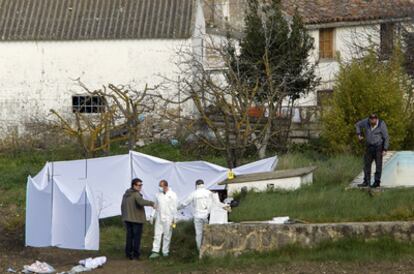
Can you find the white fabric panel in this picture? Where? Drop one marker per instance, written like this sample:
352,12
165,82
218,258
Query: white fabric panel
108,178
66,213
181,176
68,222
186,173
41,180
71,176
151,170
92,219
264,165
38,215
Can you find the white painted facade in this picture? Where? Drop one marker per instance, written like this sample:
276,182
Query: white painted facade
36,76
290,183
347,39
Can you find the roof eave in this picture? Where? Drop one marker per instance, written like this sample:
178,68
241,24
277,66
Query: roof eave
355,23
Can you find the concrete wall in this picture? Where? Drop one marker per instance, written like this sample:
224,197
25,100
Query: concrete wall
235,239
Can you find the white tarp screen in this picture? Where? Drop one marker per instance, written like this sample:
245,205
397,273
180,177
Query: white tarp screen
66,199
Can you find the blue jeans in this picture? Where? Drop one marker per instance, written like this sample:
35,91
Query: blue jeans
373,153
133,239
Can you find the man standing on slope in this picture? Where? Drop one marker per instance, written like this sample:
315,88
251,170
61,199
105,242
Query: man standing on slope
377,143
165,217
202,200
133,215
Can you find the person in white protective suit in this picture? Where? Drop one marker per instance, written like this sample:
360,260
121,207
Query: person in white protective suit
166,203
202,201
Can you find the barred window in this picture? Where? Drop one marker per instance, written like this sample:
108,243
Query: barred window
88,104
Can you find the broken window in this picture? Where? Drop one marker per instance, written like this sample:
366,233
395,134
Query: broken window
88,104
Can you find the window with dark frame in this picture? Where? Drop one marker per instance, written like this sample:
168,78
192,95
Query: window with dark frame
387,39
326,43
88,104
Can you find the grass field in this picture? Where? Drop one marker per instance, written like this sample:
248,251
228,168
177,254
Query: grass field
324,201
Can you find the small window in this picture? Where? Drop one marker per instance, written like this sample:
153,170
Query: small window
88,104
326,43
387,39
323,95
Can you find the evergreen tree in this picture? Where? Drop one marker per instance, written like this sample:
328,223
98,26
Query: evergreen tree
274,56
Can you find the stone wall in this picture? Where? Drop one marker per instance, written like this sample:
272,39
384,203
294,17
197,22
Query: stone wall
235,239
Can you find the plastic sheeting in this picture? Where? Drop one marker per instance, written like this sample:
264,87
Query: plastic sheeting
66,199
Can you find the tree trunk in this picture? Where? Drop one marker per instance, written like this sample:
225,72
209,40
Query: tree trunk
229,158
132,134
233,157
263,148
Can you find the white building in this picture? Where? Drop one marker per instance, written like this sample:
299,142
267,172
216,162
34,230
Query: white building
338,28
45,45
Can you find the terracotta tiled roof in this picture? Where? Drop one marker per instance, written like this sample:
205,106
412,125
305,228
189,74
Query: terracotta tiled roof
329,11
96,19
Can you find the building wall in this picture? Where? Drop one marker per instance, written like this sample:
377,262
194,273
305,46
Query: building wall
290,183
347,43
38,76
231,12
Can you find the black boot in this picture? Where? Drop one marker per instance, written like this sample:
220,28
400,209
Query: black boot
364,184
376,185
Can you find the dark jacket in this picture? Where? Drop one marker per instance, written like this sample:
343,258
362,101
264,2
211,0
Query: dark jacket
376,137
132,207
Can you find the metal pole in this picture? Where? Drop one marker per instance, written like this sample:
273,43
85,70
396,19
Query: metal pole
86,168
52,199
131,166
86,212
86,199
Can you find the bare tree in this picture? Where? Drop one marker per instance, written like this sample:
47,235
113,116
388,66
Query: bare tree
92,132
129,105
219,116
118,119
268,69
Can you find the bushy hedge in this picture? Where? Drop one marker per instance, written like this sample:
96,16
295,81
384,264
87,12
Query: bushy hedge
364,86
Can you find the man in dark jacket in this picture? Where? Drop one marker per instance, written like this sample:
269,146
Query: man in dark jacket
377,143
133,215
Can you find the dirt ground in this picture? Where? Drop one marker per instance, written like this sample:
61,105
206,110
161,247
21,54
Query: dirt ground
13,254
125,266
16,256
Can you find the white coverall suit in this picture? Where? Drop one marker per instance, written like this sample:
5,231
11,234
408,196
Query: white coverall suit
202,200
166,204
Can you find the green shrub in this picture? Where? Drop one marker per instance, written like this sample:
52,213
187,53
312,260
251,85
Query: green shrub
364,86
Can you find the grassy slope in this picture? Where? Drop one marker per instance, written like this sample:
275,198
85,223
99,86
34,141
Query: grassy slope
325,200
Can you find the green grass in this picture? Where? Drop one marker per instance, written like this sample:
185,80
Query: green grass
184,257
326,200
347,250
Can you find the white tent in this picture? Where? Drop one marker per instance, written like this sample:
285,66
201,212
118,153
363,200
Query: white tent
66,199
